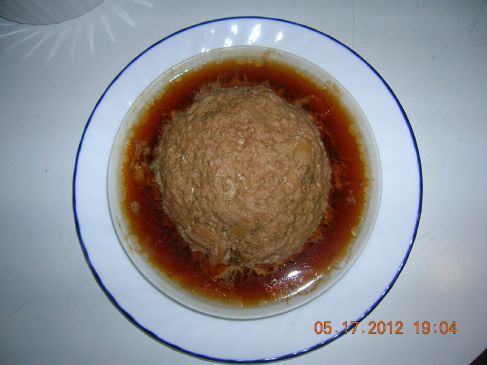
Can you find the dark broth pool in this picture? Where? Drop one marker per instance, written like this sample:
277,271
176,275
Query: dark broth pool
322,252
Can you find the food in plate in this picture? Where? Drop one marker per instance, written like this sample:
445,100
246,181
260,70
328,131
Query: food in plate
243,175
245,180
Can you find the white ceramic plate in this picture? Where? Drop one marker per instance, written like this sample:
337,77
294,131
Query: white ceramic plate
286,335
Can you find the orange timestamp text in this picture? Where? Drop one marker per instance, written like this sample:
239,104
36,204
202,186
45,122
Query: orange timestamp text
386,327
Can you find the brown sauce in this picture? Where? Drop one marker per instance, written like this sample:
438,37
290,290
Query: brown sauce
168,252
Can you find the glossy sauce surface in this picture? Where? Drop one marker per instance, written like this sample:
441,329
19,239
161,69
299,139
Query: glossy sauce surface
169,253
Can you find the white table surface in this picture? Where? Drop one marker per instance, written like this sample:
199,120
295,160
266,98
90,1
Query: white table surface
432,53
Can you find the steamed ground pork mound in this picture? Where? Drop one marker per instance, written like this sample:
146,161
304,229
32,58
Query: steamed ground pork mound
243,175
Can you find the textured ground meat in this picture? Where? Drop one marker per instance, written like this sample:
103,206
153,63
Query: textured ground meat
243,175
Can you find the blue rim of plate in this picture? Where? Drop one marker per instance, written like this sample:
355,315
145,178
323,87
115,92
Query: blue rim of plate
269,359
